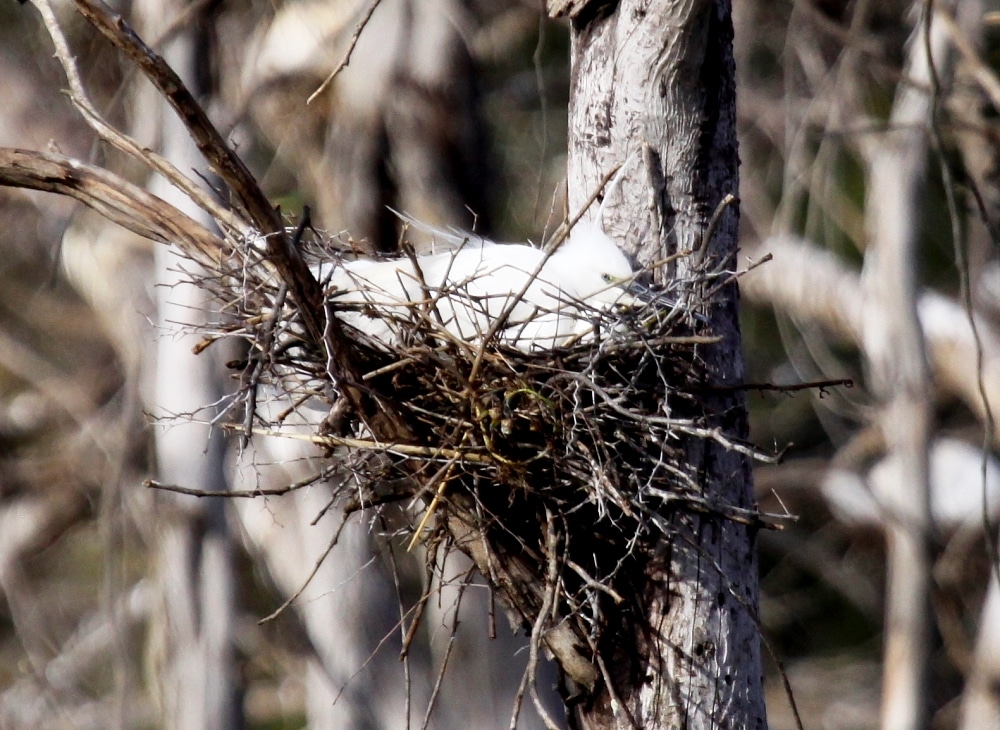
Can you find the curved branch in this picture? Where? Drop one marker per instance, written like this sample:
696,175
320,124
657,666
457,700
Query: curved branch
81,100
281,252
226,163
113,197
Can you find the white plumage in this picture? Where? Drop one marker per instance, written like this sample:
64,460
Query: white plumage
465,290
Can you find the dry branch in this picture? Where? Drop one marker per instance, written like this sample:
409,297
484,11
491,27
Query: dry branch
78,95
226,163
113,197
234,173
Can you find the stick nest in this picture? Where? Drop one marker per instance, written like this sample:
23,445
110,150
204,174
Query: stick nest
556,471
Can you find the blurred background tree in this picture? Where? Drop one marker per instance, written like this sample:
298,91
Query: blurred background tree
857,153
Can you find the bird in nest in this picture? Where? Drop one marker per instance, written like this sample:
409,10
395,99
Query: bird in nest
476,289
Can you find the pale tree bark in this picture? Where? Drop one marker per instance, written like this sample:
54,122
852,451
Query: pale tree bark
981,699
981,702
199,685
899,373
653,90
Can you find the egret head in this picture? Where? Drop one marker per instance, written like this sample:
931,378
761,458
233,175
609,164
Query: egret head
592,268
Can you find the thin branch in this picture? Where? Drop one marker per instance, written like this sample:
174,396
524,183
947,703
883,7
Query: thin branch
983,74
594,584
404,631
210,142
312,574
528,679
820,385
429,452
240,493
550,248
439,680
238,178
713,224
78,95
346,60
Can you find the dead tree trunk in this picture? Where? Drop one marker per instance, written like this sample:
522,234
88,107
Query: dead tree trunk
653,90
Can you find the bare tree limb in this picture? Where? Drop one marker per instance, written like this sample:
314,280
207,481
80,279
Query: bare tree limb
238,178
113,197
78,95
211,144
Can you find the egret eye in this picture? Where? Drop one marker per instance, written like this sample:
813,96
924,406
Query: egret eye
607,278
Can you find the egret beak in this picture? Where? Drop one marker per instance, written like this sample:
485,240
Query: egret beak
629,292
627,295
641,292
638,293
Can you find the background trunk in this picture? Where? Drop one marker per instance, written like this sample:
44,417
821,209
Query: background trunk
198,679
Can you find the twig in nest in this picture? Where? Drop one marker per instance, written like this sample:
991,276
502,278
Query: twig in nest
538,627
766,258
242,493
713,224
449,467
418,613
436,691
404,631
820,385
259,360
592,435
550,248
428,452
619,707
594,584
396,492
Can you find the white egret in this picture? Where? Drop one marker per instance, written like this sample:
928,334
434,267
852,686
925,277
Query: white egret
553,299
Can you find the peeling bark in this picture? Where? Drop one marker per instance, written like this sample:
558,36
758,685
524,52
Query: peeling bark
653,90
